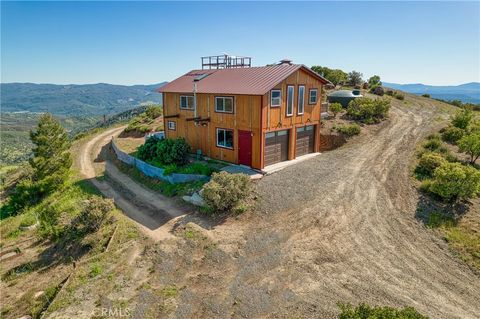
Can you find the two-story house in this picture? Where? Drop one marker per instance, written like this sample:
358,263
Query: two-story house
255,116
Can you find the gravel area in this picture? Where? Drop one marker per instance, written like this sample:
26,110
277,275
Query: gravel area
350,214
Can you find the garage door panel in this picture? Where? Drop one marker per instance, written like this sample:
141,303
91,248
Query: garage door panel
305,140
276,147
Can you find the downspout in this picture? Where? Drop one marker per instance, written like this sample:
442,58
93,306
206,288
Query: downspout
195,99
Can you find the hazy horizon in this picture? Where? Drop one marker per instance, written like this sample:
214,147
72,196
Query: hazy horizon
129,43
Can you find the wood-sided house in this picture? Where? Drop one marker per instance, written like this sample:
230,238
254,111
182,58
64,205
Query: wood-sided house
255,116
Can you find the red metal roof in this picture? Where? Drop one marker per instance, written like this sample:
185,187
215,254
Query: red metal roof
252,81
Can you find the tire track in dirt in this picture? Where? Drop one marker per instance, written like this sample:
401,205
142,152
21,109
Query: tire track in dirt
151,211
357,239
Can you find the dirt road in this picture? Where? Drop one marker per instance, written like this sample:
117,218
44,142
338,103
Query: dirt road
153,213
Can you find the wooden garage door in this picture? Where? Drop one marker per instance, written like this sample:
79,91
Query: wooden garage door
276,147
305,140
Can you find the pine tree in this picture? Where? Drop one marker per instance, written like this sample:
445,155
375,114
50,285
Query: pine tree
51,156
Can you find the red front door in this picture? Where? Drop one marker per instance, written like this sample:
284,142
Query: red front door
245,148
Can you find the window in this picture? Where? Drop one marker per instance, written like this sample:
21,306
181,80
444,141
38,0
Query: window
313,96
275,98
224,104
301,99
172,125
290,99
224,138
186,102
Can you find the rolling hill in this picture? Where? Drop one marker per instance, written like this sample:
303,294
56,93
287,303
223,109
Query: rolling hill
467,93
76,100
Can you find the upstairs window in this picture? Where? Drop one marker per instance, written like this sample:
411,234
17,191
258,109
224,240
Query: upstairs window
275,98
224,104
186,102
313,96
224,138
301,99
290,99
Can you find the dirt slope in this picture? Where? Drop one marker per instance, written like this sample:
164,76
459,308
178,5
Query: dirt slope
338,227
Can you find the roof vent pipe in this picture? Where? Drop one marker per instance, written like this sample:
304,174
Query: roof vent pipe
285,61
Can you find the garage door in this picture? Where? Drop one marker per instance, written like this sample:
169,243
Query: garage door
276,147
305,140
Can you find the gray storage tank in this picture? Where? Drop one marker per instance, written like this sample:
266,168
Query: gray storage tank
343,96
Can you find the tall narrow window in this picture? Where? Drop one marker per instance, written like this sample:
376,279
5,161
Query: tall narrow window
290,99
313,96
275,98
301,99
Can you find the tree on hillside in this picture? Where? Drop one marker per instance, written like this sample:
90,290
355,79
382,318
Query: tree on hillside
463,118
355,78
470,144
335,76
51,156
374,82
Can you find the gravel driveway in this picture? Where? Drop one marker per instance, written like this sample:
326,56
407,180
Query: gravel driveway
351,225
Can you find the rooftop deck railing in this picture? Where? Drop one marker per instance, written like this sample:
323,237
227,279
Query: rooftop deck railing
225,61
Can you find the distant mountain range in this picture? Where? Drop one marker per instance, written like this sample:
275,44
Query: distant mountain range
468,92
76,100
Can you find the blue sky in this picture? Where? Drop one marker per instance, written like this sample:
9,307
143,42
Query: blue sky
148,42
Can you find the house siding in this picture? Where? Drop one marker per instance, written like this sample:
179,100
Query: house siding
251,113
246,117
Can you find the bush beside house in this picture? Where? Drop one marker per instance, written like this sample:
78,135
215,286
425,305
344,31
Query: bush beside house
226,192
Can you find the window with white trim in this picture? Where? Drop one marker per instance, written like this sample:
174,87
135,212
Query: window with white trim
172,125
224,138
290,99
275,98
224,104
313,96
186,102
301,99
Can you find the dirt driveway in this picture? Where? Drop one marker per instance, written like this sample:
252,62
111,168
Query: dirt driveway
352,228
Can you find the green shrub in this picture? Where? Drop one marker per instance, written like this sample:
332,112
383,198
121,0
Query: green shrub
94,213
428,163
463,118
172,151
432,144
368,110
399,96
453,181
224,192
148,150
49,222
452,134
470,145
364,311
349,130
335,108
389,92
378,91
426,95
153,111
28,220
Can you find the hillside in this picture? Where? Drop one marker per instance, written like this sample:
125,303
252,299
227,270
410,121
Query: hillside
354,237
76,100
467,93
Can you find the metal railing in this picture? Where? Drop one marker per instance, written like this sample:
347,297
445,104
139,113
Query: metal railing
225,61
